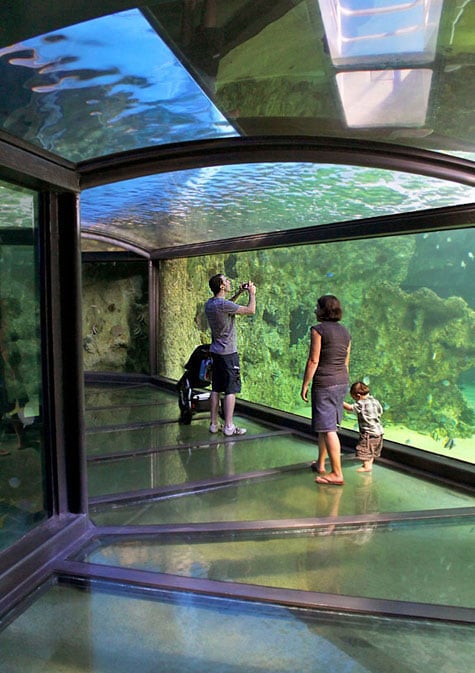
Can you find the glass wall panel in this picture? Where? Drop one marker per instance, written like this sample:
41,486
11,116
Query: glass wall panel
21,444
115,316
409,303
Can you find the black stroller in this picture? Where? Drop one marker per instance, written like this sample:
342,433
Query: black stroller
197,375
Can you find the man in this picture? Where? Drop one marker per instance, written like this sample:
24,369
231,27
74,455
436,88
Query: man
220,313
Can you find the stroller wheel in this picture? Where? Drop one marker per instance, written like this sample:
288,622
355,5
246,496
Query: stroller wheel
185,417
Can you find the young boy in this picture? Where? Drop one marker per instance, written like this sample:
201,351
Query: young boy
369,411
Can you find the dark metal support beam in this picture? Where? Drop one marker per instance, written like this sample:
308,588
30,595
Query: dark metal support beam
62,346
148,581
28,564
32,167
222,152
153,316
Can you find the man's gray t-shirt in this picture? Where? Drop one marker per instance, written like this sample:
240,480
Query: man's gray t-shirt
220,313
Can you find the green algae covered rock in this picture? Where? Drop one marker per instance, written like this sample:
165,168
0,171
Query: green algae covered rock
411,346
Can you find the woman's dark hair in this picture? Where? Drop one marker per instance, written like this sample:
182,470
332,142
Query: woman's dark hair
329,308
215,283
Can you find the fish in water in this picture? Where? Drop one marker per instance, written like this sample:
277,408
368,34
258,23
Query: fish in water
449,443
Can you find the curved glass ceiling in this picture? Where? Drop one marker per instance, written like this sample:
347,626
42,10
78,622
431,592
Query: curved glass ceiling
103,86
220,202
176,70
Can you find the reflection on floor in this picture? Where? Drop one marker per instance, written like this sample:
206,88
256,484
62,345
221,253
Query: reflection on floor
379,572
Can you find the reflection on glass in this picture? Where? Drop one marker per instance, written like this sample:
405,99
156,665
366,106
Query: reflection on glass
391,97
178,466
409,303
91,89
359,30
360,33
21,469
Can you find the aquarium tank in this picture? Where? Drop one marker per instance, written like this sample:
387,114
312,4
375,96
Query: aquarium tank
405,302
408,300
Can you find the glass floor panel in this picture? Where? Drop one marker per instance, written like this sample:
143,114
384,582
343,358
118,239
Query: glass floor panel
194,464
73,630
130,414
429,563
292,495
120,394
161,435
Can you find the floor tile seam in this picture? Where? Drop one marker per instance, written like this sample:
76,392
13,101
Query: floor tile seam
130,405
192,487
189,487
297,524
104,386
165,421
296,598
104,457
104,429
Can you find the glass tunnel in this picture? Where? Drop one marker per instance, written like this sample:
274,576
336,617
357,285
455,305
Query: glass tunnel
313,147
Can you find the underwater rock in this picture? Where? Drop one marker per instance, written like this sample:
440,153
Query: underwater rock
114,301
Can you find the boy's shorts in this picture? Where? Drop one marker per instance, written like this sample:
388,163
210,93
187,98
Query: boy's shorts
369,446
226,374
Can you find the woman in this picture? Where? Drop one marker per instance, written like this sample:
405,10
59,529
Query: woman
327,368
